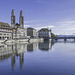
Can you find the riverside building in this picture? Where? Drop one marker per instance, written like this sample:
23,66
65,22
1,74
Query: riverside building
44,33
5,31
32,32
20,33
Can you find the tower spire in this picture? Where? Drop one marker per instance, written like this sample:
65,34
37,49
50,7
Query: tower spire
21,13
13,18
21,19
13,13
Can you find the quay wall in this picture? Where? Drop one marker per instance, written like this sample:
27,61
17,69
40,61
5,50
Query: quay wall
22,40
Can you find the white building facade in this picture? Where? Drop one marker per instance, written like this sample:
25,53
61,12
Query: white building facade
44,33
5,31
20,33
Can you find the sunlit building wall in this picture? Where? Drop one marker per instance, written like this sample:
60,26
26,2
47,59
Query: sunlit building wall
5,31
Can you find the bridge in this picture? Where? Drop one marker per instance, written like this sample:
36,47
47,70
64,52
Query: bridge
65,38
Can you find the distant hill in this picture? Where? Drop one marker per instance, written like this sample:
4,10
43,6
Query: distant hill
66,35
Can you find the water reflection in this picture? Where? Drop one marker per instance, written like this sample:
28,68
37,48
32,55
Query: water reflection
18,50
46,45
31,46
13,61
5,51
21,60
62,41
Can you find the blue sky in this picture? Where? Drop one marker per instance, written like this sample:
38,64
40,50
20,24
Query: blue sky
58,15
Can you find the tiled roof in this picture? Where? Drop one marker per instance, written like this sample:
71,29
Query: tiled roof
5,25
2,23
31,28
43,29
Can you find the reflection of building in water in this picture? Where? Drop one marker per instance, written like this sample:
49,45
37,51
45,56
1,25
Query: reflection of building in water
21,59
46,45
13,50
18,50
21,56
5,51
31,46
13,61
3,57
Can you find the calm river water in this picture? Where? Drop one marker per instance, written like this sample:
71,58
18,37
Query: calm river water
39,58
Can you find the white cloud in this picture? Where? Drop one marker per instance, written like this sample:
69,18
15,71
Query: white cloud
30,21
66,22
62,27
38,28
25,26
66,11
49,26
43,2
65,27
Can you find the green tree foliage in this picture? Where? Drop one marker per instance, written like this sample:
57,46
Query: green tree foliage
53,35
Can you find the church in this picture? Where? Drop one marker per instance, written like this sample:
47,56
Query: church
21,19
18,29
21,31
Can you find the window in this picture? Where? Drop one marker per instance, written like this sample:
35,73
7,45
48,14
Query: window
4,34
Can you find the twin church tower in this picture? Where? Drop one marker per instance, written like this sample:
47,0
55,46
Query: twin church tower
21,19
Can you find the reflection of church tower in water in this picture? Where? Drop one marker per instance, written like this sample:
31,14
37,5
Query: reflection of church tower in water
21,19
15,53
13,18
13,61
21,60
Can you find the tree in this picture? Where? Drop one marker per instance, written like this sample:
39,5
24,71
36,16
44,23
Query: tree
17,25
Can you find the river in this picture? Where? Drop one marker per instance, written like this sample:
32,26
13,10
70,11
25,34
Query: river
38,58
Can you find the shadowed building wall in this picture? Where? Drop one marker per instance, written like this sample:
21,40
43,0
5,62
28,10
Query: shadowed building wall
13,18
